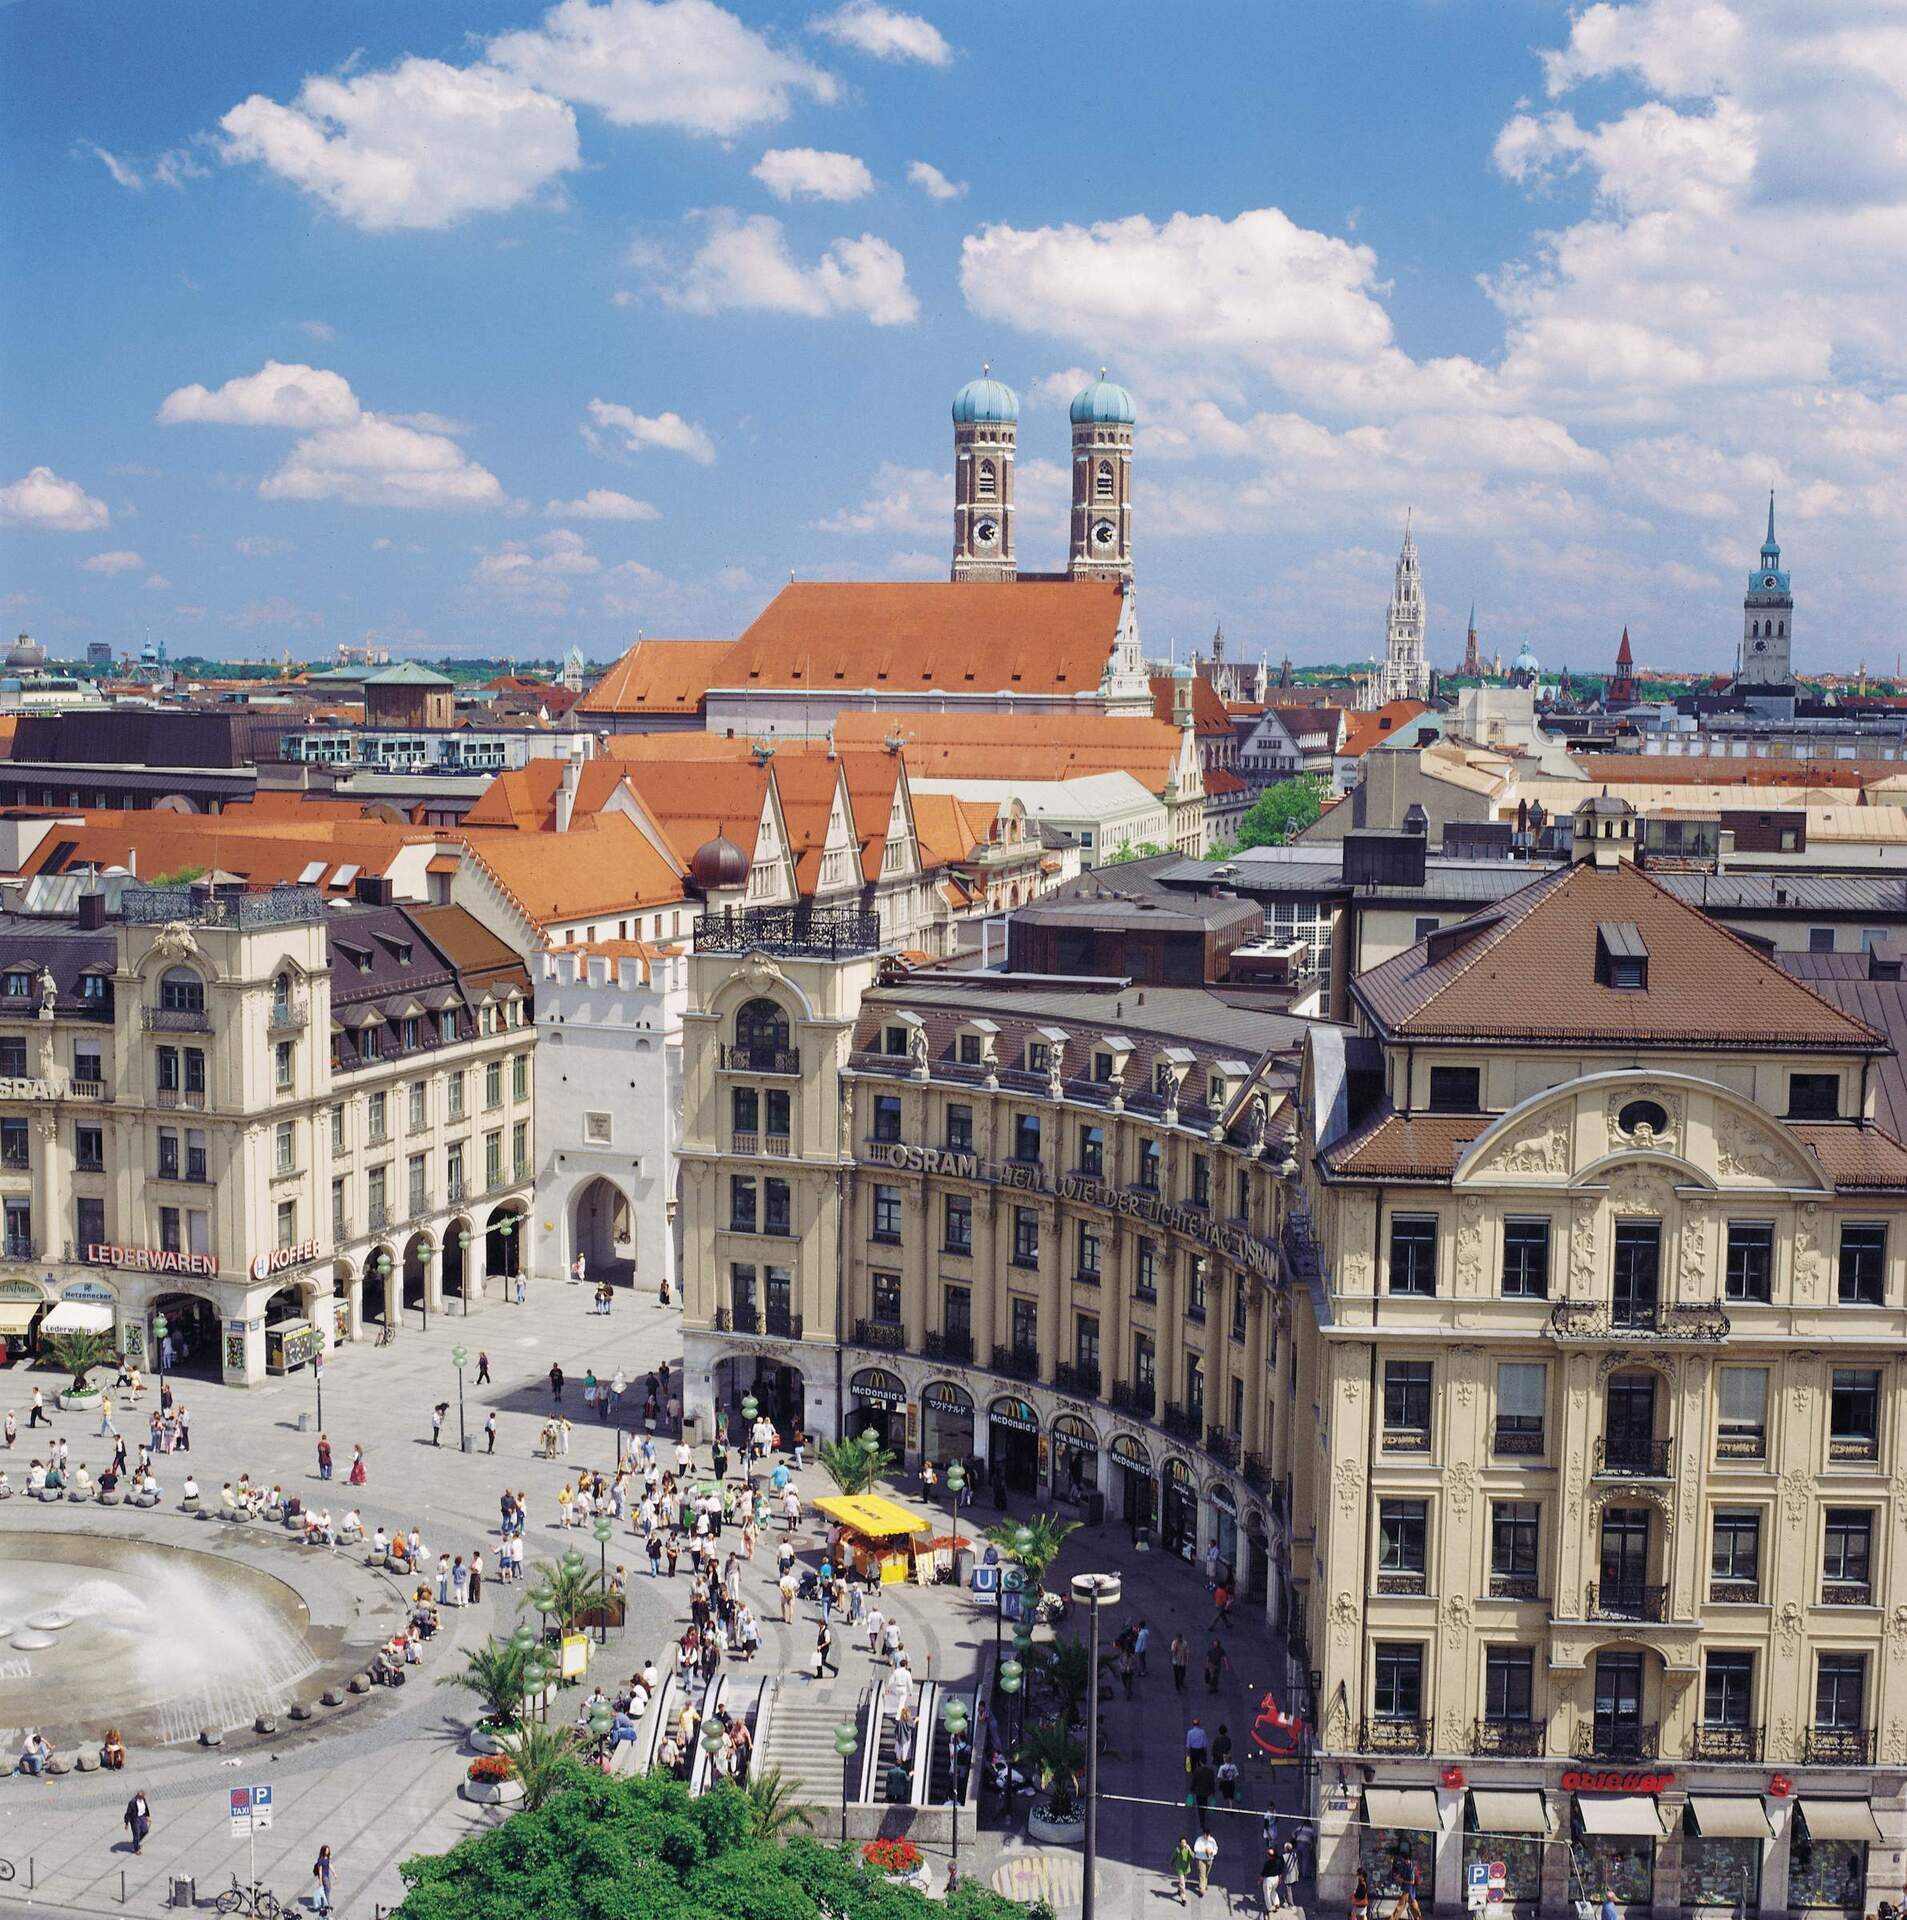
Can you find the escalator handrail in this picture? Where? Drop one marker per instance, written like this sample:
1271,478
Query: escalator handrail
926,1726
870,1716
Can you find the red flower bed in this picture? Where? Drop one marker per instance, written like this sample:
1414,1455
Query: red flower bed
493,1768
891,1856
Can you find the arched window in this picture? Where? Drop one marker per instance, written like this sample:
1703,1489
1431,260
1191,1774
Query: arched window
281,996
182,991
1102,481
761,1031
984,484
1782,629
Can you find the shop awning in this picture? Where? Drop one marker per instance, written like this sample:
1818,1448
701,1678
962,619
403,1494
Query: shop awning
872,1515
78,1316
1730,1816
1414,1807
16,1316
1509,1811
1626,1814
1841,1820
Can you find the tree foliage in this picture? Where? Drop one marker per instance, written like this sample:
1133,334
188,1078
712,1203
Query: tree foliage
1046,1534
773,1810
1053,1751
1282,812
544,1756
572,1590
494,1673
851,1466
643,1848
79,1351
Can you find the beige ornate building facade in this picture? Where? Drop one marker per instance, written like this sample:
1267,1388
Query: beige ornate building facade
1599,1542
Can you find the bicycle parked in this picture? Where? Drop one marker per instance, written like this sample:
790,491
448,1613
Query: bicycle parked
254,1899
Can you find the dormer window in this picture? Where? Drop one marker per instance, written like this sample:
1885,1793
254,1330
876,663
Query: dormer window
1215,1089
1039,1056
1102,1068
16,983
894,1040
969,1049
1622,960
94,987
1163,1080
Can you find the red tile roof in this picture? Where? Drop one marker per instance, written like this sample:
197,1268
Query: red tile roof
1365,730
657,676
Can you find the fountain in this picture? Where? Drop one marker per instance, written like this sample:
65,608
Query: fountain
159,1641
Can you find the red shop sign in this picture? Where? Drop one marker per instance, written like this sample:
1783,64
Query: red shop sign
1780,1785
1577,1782
1453,1779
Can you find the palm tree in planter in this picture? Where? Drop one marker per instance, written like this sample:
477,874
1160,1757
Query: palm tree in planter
1053,1750
569,1585
852,1464
542,1756
1069,1664
494,1673
1034,1543
79,1352
773,1811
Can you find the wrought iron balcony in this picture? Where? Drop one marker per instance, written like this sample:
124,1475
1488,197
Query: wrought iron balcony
1393,1735
1222,1444
289,1016
1670,1320
1838,1747
1176,1419
739,1319
1512,1739
378,1216
809,932
20,1246
199,906
951,1345
1847,1593
1416,1581
1300,1245
1741,1446
177,1019
1515,1442
762,1059
1633,1459
781,1324
879,1333
1086,1277
1734,1593
1601,1601
1612,1740
455,1189
1257,1473
1021,1363
1725,1743
1137,1399
1077,1376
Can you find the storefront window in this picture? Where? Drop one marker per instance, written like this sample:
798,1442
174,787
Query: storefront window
1387,1853
1618,1863
1719,1872
1519,1854
1830,1874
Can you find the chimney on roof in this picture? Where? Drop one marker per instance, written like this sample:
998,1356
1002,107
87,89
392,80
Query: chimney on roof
566,791
373,890
92,910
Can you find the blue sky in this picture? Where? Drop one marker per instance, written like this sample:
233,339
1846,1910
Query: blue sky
500,328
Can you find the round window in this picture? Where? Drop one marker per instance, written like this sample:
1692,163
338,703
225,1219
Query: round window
1643,1113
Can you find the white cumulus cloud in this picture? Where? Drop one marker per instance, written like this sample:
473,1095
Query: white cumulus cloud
40,498
420,144
745,264
600,503
279,394
539,574
119,561
807,173
884,33
686,64
667,432
932,182
261,546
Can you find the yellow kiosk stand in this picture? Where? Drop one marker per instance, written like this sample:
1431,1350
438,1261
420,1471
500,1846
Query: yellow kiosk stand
875,1532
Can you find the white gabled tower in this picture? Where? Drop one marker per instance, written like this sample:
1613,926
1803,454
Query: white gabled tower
1404,672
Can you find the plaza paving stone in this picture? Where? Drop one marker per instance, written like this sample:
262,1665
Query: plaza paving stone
379,1783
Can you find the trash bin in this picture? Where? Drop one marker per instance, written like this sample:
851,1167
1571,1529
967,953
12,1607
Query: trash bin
469,1443
304,1422
185,1891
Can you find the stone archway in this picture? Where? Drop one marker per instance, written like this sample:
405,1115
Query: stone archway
346,1302
380,1288
420,1276
191,1334
602,1233
463,1261
503,1240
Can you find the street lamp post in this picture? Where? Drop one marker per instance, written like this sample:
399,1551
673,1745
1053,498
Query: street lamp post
161,1326
463,1286
317,1378
1012,1678
602,1529
1097,1590
602,1717
713,1740
956,1484
1022,1539
954,1718
459,1358
751,1412
847,1743
383,1265
505,1228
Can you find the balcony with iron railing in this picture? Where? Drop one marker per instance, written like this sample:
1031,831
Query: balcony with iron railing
1179,1420
1256,1471
1734,1593
1403,1581
1018,1363
1845,1448
1517,1443
825,933
1617,1740
890,1337
1741,1446
1514,1586
1508,1739
1134,1397
1393,1734
1406,1440
738,1319
1077,1376
1707,1742
176,1019
781,1324
1847,1593
289,1016
200,906
377,1216
456,1189
782,1060
946,1345
1223,1445
1838,1747
21,1246
1604,1600
1630,1459
1660,1320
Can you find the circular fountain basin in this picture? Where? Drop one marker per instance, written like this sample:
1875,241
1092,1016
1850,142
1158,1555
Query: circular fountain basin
158,1641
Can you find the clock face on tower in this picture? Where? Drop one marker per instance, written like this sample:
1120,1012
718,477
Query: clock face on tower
1768,580
1760,646
986,532
1102,533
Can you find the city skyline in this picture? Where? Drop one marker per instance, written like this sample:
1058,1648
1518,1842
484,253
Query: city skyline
724,270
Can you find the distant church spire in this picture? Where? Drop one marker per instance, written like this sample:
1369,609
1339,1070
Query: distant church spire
1403,673
1767,618
1472,658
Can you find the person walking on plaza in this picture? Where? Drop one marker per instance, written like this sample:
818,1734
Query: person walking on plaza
36,1414
1217,1662
490,1431
321,1881
1181,1866
1181,1659
106,1415
824,1651
437,1414
324,1458
12,1429
1270,1873
787,1588
1204,1854
357,1475
483,1368
1141,1640
1204,1784
556,1383
184,1420
138,1819
1222,1604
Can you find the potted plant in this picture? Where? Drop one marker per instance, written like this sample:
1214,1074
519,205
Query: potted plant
490,1780
1035,1544
898,1861
1054,1752
494,1673
79,1352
